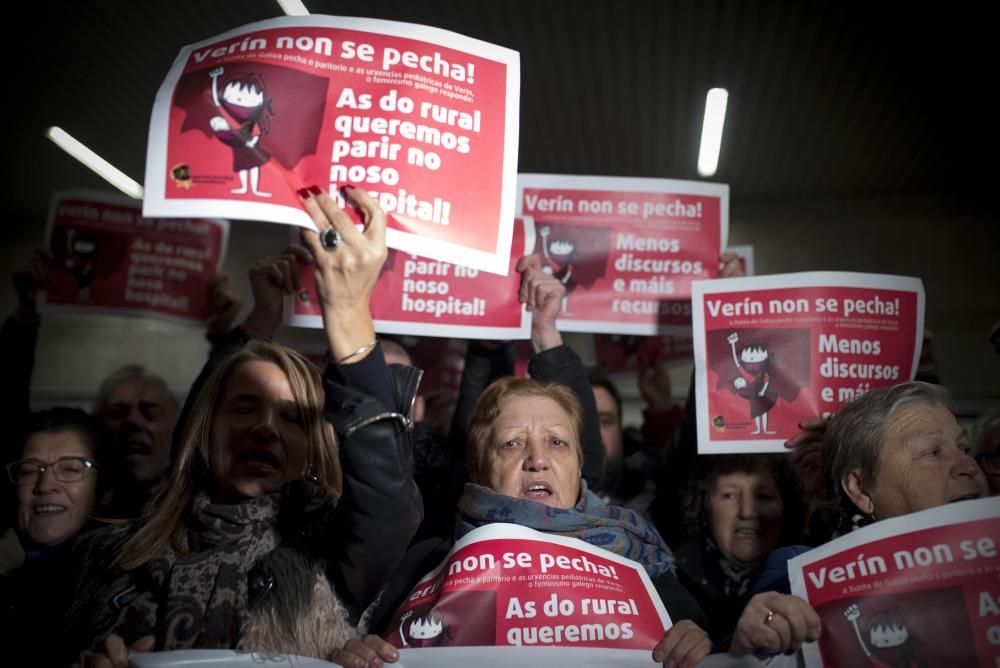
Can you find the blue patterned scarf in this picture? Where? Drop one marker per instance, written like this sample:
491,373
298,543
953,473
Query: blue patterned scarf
619,530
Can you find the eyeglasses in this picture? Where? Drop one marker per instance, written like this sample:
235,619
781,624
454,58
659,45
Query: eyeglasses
65,469
989,462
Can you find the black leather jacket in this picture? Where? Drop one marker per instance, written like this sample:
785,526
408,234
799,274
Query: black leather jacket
369,404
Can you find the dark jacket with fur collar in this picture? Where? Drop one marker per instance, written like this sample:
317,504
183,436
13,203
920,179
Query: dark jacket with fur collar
307,595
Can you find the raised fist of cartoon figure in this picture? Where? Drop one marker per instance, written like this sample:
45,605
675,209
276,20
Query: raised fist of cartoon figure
218,124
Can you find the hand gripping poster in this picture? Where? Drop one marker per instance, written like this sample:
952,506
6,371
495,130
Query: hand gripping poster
423,297
627,249
917,591
107,258
772,351
423,119
507,585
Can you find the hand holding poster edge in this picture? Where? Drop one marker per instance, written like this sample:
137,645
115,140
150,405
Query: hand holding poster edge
856,541
156,204
636,185
781,281
113,199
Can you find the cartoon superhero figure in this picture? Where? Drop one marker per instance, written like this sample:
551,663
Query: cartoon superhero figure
244,118
754,365
560,260
891,644
427,631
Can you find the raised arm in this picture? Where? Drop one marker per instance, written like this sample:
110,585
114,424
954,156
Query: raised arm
215,74
554,362
18,337
380,507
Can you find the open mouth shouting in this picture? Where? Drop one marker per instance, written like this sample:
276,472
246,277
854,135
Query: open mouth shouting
260,460
48,509
138,446
537,490
747,533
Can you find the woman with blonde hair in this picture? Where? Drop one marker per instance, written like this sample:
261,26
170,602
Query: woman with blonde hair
267,537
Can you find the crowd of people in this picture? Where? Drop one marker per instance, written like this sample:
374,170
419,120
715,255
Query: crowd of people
289,510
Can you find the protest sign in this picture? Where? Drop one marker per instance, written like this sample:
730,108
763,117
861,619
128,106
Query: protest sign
617,353
107,258
423,119
423,297
917,590
773,351
626,249
507,585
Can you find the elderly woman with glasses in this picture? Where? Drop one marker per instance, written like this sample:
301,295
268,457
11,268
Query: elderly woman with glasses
58,485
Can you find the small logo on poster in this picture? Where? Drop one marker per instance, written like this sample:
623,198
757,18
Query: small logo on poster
428,630
181,175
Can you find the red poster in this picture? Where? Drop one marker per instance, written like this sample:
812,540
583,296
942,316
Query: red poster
919,590
424,119
618,353
424,297
773,351
108,258
507,585
626,249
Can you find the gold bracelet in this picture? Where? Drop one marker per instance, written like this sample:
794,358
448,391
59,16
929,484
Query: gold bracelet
360,351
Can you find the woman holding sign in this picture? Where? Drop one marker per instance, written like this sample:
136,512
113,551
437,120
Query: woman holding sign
273,534
524,464
525,457
741,508
891,452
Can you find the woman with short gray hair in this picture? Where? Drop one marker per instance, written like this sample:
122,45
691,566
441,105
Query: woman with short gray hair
891,452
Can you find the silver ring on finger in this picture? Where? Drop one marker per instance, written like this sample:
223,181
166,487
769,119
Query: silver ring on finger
330,239
770,616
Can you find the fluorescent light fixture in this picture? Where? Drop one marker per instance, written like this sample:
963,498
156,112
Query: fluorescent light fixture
104,169
711,131
293,7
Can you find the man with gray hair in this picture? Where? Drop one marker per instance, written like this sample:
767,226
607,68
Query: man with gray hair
140,412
